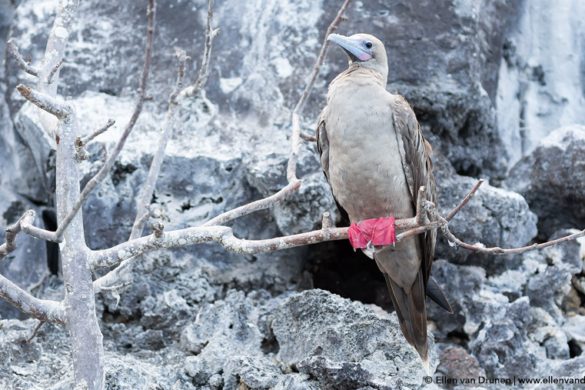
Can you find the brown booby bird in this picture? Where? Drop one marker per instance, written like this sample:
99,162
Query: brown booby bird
375,159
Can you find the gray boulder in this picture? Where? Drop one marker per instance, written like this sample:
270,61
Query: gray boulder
549,273
343,344
502,345
552,181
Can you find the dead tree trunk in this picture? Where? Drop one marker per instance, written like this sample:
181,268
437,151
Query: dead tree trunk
82,323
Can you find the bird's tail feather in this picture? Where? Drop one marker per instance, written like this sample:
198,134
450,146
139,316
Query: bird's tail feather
435,292
412,314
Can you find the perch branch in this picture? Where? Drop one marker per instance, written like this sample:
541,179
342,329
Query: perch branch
225,237
291,171
25,66
167,129
105,169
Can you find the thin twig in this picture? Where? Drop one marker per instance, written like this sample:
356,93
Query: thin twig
167,130
326,222
478,247
87,139
291,171
105,169
35,331
467,198
258,205
54,71
203,73
25,66
308,138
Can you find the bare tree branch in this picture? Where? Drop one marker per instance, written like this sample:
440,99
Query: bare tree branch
167,130
55,49
12,231
35,331
115,277
467,198
41,234
41,309
308,138
25,225
224,236
252,207
45,102
203,72
105,169
54,71
480,248
25,66
295,118
86,140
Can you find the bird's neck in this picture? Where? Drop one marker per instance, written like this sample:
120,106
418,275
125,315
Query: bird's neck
366,69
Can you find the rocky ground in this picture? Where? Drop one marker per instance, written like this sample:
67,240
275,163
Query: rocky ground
315,317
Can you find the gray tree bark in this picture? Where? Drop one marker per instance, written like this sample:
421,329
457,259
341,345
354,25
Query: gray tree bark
82,323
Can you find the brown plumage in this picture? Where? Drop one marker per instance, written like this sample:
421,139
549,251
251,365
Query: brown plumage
376,159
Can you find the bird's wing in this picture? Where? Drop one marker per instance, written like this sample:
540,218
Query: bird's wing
415,153
323,144
323,149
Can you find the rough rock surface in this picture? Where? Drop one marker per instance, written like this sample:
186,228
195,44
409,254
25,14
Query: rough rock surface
551,179
201,318
240,340
494,216
344,344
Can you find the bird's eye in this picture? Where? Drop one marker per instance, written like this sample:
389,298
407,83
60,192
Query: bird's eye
368,44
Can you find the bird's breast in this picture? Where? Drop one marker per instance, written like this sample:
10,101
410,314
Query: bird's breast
365,166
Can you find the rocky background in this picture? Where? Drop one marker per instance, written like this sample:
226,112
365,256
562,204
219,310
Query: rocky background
498,86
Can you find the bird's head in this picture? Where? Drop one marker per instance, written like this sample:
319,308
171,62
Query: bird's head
365,50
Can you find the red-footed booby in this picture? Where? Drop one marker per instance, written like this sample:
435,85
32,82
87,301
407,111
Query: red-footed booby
375,159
